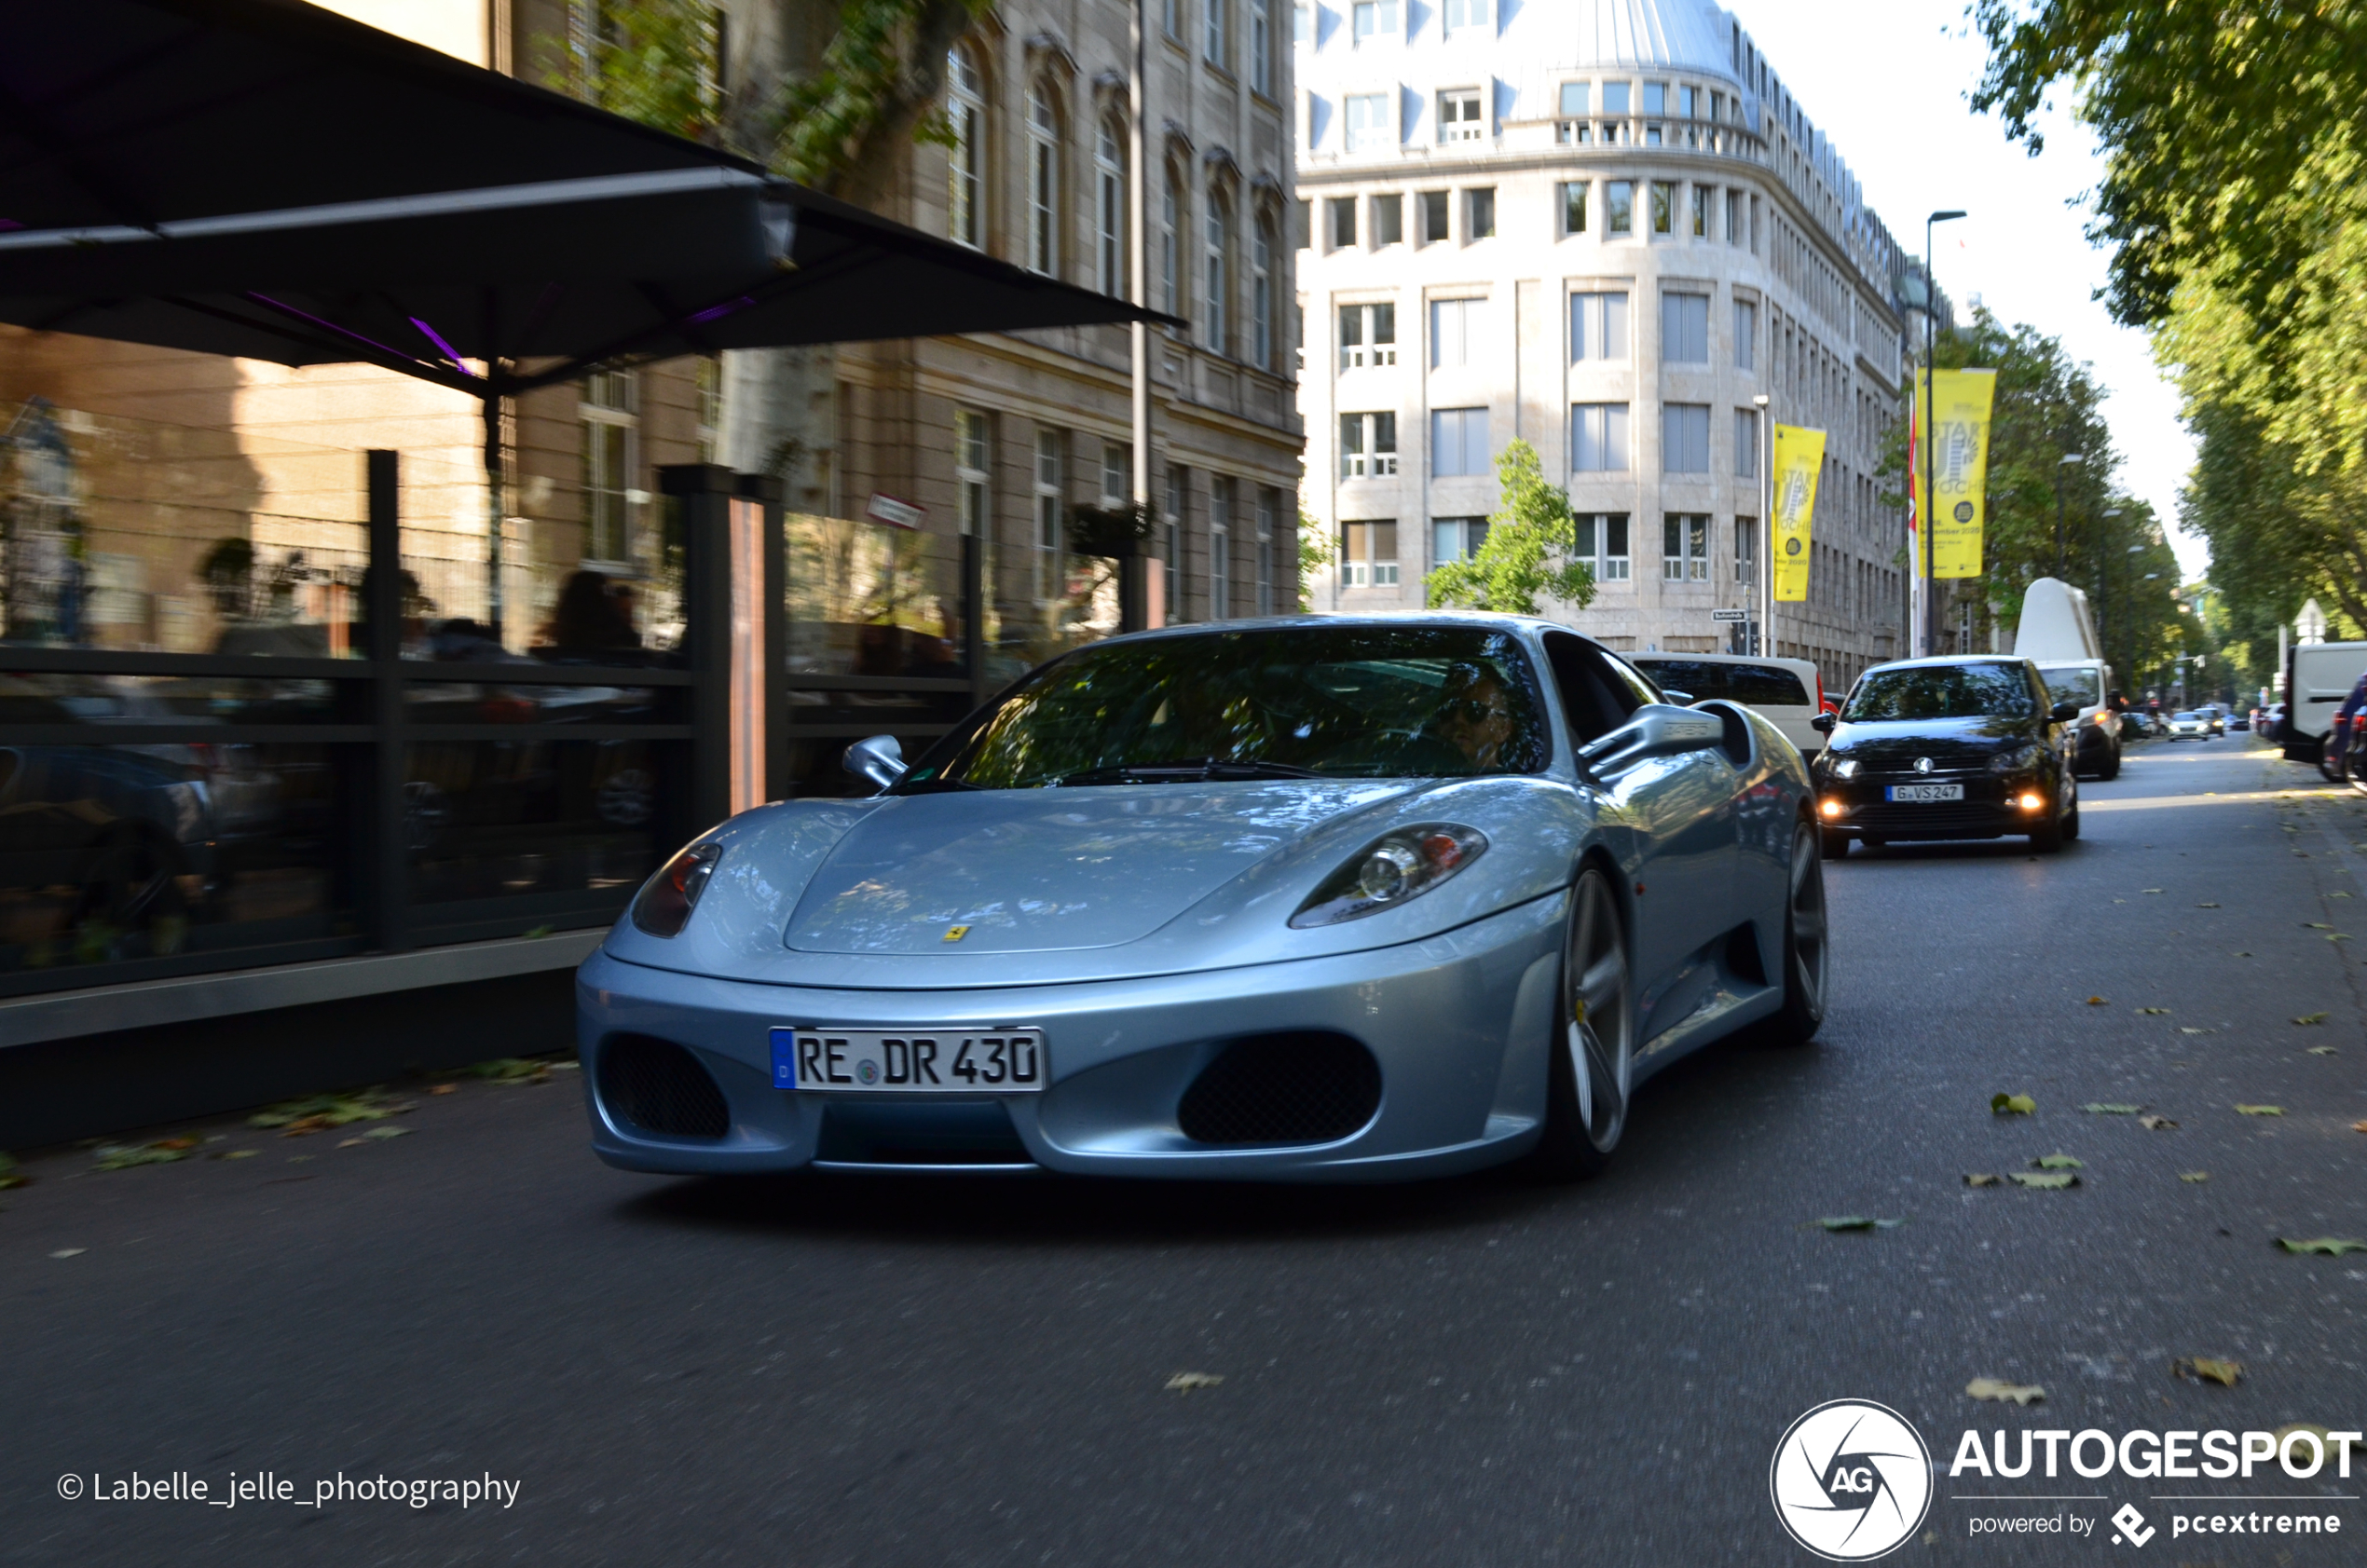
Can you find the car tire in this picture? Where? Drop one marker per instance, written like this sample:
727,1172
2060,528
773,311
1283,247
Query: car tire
2111,770
2070,821
2048,839
1593,1044
1835,845
1807,949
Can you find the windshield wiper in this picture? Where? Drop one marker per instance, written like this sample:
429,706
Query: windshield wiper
1185,771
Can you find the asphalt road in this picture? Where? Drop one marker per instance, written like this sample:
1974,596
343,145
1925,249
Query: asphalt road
817,1372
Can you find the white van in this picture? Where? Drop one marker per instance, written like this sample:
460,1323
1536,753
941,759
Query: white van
2318,676
2057,635
1786,690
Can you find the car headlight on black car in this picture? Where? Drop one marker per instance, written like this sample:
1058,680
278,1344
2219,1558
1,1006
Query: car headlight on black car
1394,869
1846,769
663,905
2021,759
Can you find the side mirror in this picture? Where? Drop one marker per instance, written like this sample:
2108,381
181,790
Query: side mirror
878,761
1679,699
1654,729
2065,712
1824,724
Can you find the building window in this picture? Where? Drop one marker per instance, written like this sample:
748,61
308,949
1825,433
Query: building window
1685,547
1302,23
1368,445
710,385
1655,100
1261,293
1458,115
1433,216
1480,210
1458,442
1574,194
1373,20
1172,527
1598,326
1043,185
1746,443
1343,222
1048,453
1689,102
1702,197
1368,128
972,475
1171,242
1454,322
1576,97
1368,335
610,402
1685,329
1388,220
1455,539
1117,473
1270,507
1218,333
1598,437
1109,210
1171,18
1733,217
965,118
1745,550
1602,539
1684,438
1262,46
1462,15
1615,100
1302,223
1368,554
1212,42
1663,206
1220,546
1619,207
1745,334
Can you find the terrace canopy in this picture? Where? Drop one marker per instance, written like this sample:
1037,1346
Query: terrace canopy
266,179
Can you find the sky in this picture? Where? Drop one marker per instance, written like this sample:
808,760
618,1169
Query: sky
1889,82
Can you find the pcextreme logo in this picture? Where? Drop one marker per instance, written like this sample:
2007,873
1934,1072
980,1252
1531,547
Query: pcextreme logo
1851,1479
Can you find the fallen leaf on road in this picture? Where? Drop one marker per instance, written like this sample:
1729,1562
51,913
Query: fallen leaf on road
2058,1162
512,1070
2098,1001
2002,1391
1183,1382
233,1155
1981,1180
2260,1111
69,1252
1858,1222
2337,936
2155,1011
2322,1051
297,1117
2184,1030
2050,1181
442,1088
350,1143
2330,1247
2153,890
2101,1110
2336,1451
2202,1369
2338,895
539,933
123,1156
2240,955
9,1175
2359,1127
2194,1176
2012,1105
378,1135
2206,906
2315,925
2311,1018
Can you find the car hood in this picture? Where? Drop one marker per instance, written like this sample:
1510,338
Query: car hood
1062,885
1949,743
1034,870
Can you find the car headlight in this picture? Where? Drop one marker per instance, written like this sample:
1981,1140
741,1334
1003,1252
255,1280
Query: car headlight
2021,759
1847,767
663,905
1393,869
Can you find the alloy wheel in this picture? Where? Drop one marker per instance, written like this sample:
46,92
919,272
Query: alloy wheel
1601,1013
1810,950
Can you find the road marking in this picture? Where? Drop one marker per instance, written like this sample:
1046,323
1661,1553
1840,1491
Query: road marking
2089,803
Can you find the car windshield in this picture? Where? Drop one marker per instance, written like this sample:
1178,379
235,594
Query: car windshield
1350,701
2072,683
2189,718
1754,685
1939,691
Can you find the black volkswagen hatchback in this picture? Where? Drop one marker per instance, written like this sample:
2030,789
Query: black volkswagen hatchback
1948,748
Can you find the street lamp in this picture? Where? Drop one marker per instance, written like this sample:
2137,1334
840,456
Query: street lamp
1931,291
1763,590
2068,459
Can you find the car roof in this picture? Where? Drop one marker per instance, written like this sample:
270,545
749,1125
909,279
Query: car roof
1527,625
1944,660
1722,659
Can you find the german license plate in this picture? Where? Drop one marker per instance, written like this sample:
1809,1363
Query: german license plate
1007,1061
1923,792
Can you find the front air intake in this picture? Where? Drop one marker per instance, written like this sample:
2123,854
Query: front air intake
657,1087
1306,1088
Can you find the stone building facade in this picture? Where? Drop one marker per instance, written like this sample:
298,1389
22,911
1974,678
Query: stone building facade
1605,227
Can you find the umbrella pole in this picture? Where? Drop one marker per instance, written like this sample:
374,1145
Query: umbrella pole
495,510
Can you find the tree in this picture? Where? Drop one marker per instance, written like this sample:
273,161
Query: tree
1316,551
1529,550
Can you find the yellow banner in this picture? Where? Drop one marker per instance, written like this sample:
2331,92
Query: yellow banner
1799,459
1959,469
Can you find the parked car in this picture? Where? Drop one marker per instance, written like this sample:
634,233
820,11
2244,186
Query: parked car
1247,900
2183,725
2088,682
1948,748
2241,720
1787,690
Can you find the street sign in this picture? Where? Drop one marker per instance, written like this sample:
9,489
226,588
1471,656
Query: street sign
1726,615
2310,625
895,514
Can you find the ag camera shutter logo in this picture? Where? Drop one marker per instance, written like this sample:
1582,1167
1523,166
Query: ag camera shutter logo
1851,1481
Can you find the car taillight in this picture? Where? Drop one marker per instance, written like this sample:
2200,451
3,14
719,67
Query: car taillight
665,903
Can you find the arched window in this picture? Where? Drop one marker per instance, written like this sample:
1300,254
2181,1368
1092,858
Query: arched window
1262,295
1043,183
1171,245
1109,209
1220,249
965,117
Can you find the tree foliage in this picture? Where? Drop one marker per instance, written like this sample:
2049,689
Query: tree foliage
841,126
1316,551
650,60
1529,550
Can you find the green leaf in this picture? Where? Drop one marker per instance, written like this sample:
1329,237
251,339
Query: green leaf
2012,1105
2311,1018
2194,1176
2328,1246
2058,1162
2322,1051
2261,1109
2204,1368
1980,1179
2049,1182
2101,1110
2006,1393
2156,1010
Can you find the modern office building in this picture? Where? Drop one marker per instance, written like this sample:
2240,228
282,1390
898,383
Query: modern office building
1603,227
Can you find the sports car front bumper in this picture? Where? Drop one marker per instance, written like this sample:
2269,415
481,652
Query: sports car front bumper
1459,1026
